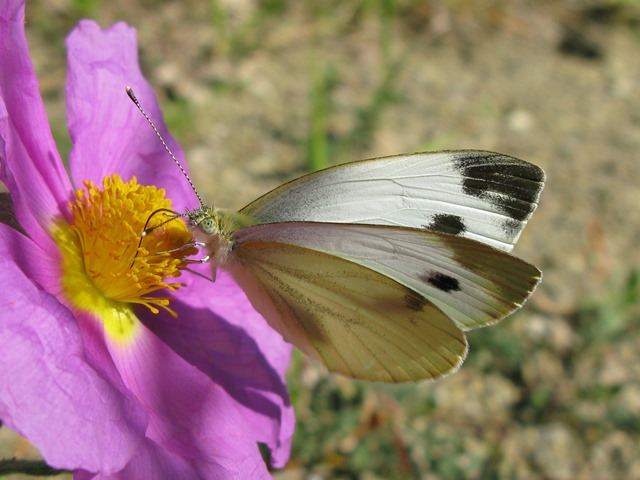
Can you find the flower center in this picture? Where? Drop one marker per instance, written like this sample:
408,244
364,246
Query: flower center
106,267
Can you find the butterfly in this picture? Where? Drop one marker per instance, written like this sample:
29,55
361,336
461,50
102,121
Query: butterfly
376,268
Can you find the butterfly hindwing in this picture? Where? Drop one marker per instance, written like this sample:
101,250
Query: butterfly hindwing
480,195
474,284
356,321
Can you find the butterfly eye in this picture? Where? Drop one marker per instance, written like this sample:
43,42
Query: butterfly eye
208,226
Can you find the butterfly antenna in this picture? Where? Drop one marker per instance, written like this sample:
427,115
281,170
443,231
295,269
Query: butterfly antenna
134,99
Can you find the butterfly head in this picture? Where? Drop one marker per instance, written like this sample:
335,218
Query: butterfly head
204,220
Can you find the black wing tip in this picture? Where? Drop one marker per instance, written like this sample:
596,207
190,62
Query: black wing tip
512,185
514,166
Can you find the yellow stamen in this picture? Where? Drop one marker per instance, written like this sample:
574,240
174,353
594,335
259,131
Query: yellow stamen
104,270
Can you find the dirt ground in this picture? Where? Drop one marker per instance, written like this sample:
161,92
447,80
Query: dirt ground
554,83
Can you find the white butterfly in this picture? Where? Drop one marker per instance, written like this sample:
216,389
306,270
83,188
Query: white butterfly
376,268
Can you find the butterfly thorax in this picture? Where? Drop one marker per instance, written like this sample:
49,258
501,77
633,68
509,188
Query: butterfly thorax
215,228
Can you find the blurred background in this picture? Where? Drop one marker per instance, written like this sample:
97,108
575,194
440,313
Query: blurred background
260,91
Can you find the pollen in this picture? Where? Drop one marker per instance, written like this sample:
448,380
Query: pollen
107,263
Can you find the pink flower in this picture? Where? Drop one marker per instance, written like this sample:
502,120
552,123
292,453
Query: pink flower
88,372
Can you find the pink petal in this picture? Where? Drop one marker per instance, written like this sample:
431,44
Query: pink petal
151,462
109,134
189,415
30,164
48,391
218,331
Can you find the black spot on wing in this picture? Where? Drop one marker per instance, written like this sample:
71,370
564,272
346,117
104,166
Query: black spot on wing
414,301
446,223
511,185
441,281
511,227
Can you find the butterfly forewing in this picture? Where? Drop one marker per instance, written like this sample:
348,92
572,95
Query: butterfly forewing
479,195
356,321
474,284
